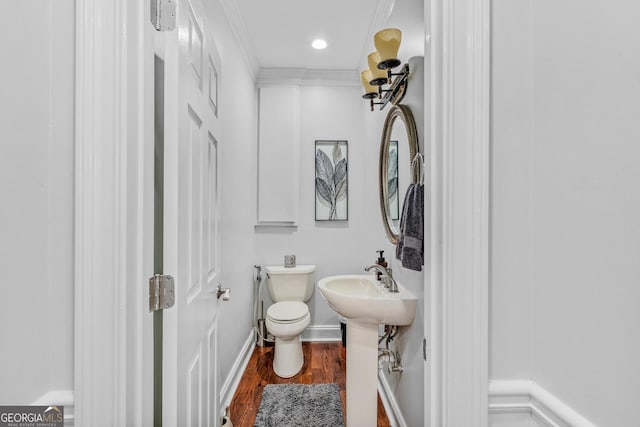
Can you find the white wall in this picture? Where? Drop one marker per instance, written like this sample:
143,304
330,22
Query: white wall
335,247
36,188
511,277
408,387
565,230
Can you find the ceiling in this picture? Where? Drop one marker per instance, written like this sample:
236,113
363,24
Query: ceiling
278,33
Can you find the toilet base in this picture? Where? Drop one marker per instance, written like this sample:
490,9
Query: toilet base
287,357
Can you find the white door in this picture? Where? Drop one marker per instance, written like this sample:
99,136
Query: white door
191,212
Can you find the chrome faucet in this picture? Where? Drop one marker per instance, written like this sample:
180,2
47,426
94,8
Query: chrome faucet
386,278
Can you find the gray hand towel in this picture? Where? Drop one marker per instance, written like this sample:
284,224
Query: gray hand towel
410,247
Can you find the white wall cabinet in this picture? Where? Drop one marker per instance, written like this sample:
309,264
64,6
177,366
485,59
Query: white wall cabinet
278,152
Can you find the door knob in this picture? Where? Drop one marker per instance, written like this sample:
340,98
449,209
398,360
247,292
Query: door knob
224,293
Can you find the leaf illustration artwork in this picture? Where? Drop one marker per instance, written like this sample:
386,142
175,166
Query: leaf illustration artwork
324,178
392,174
331,179
336,153
340,180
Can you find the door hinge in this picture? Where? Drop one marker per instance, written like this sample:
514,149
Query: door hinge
424,349
163,14
161,292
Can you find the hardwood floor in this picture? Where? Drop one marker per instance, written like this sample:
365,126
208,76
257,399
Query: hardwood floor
323,363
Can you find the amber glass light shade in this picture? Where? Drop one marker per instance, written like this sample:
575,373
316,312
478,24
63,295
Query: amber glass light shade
369,90
387,43
378,76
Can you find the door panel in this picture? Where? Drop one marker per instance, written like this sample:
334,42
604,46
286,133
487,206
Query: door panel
193,192
211,182
212,416
194,390
191,211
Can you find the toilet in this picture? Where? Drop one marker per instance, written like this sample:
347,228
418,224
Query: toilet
288,316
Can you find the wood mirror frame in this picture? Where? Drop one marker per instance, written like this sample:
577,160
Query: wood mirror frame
403,113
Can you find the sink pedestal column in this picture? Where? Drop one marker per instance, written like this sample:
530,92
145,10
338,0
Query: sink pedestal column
362,374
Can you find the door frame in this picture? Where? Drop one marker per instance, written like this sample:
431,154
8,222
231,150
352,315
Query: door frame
113,254
457,90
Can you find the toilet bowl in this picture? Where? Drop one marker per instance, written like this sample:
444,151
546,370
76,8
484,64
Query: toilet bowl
286,321
289,316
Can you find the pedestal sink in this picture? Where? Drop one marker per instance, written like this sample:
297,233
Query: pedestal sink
366,304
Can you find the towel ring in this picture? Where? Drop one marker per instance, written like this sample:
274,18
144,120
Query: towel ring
417,169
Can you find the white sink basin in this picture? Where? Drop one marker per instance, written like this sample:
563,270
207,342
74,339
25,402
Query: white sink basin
362,298
365,303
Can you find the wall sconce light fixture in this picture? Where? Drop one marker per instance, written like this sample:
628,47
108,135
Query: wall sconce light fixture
381,63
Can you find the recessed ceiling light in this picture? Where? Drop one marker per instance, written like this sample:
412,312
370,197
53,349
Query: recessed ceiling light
319,44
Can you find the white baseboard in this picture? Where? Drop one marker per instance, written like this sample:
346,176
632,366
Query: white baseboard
529,399
390,402
230,385
322,333
59,398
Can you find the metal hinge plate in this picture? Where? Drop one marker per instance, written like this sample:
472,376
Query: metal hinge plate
161,292
163,14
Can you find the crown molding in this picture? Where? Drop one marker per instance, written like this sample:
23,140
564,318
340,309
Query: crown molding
268,76
239,30
307,77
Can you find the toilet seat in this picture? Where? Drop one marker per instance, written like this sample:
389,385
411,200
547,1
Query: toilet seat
285,312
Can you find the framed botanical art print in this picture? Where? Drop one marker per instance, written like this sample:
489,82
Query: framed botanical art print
332,195
392,181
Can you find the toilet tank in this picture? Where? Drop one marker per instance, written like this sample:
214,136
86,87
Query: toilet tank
290,283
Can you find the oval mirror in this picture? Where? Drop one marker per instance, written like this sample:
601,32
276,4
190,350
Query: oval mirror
398,148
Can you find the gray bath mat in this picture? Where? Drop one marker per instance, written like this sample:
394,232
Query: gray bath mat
308,405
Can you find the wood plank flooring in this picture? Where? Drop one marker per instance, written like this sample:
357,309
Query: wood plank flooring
323,363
